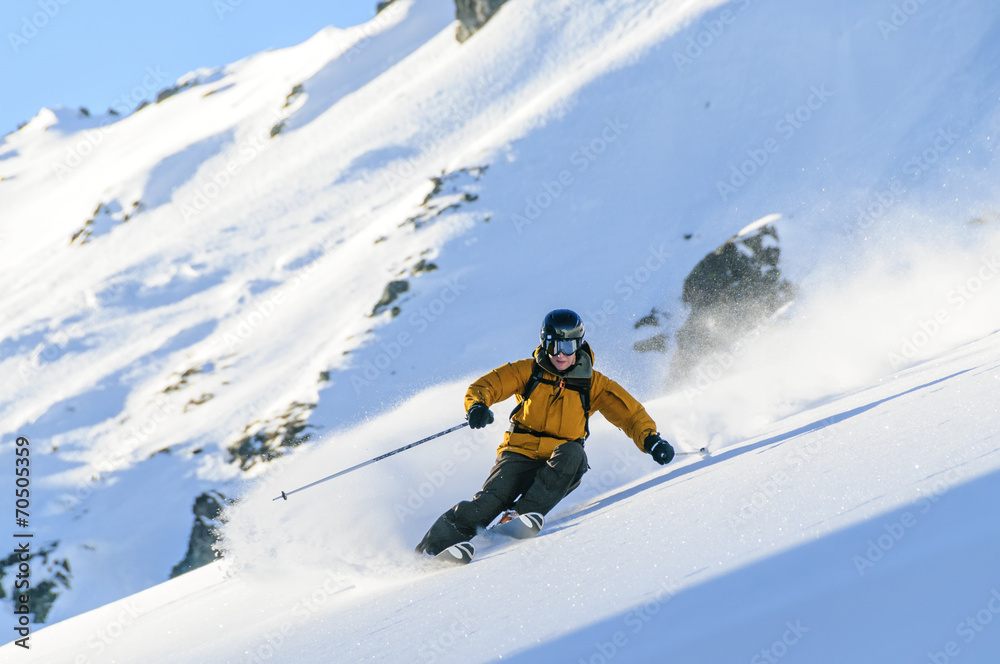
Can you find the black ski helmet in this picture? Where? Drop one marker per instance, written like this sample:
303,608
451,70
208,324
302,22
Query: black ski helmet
562,332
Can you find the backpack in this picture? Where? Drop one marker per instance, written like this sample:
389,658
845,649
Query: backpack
581,386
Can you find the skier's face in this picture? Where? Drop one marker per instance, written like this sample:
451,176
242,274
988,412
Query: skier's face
563,362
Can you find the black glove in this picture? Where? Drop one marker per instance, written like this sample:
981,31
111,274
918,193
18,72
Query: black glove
658,448
479,416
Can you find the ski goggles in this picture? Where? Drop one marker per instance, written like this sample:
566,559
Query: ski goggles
561,346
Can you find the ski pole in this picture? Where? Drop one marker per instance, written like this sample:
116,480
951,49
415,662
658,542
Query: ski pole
284,495
701,450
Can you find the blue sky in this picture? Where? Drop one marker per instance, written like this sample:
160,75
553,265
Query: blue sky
90,53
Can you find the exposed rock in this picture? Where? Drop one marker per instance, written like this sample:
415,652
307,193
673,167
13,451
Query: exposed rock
186,375
658,343
167,93
204,398
270,437
423,265
296,92
450,192
990,217
105,217
652,319
392,291
204,534
46,579
473,14
731,291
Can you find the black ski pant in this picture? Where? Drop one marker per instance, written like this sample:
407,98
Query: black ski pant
516,482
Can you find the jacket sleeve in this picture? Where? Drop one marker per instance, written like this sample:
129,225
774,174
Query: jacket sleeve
621,409
499,384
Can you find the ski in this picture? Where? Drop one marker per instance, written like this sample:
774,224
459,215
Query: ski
457,554
521,527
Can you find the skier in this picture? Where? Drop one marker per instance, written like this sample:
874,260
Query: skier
541,458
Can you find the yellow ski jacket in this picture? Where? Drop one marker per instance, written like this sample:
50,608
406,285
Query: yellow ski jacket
554,410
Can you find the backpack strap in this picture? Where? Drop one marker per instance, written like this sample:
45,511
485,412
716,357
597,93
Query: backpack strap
582,387
529,387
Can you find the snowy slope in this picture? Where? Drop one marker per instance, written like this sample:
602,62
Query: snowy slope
861,530
588,155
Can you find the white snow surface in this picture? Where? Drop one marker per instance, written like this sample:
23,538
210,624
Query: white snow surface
588,155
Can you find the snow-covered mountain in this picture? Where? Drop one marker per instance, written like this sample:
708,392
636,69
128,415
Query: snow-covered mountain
306,256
